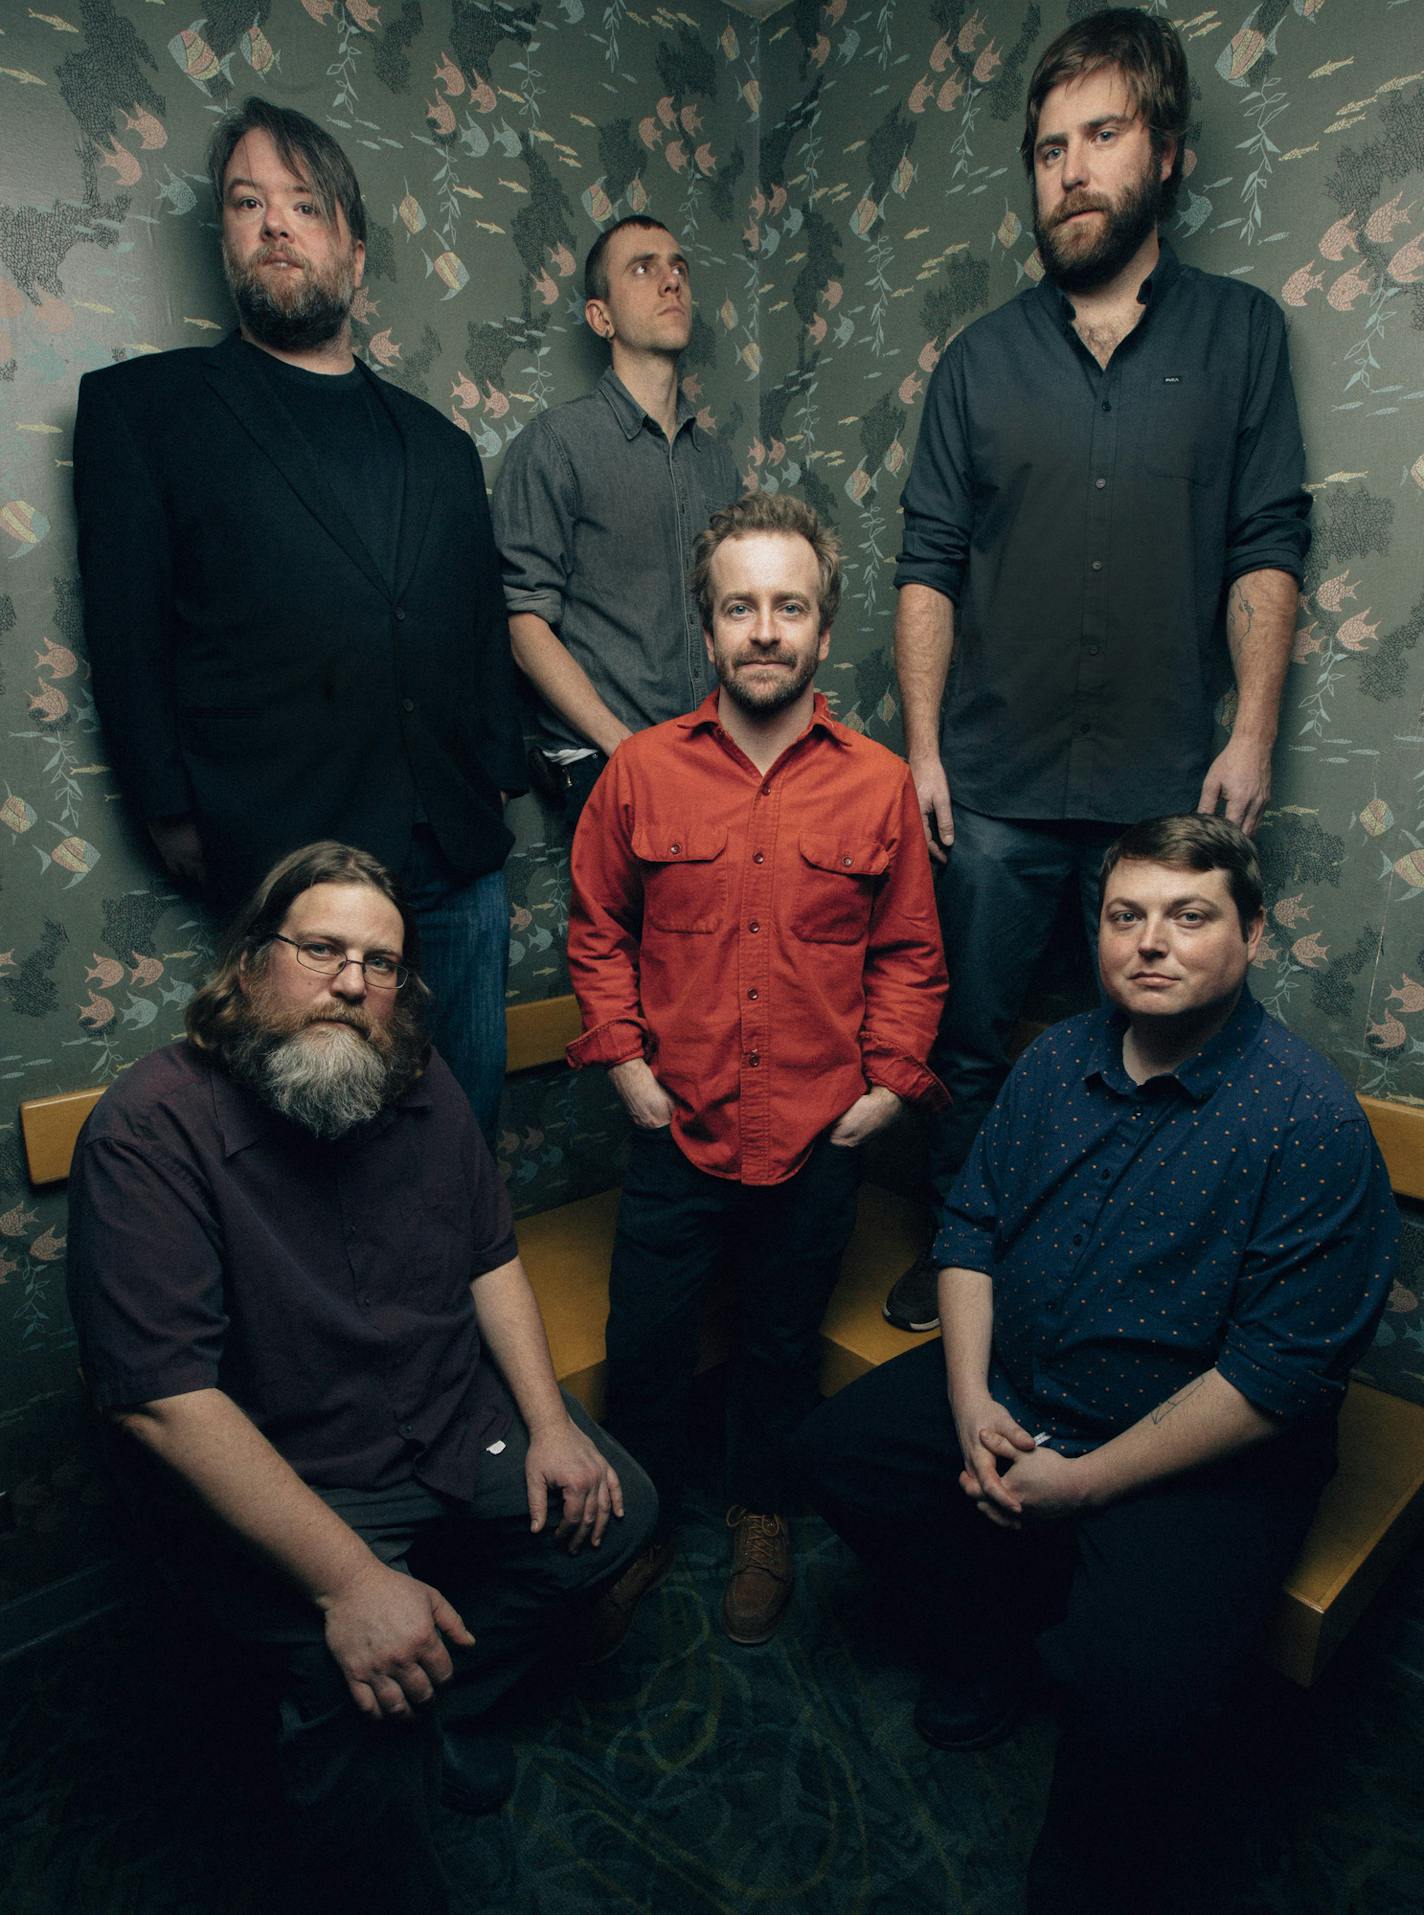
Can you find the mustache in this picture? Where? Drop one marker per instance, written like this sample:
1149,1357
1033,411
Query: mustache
764,657
342,1014
1082,205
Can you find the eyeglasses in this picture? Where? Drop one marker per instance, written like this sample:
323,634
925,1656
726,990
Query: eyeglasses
381,971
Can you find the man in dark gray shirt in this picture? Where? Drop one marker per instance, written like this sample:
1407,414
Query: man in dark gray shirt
1108,472
595,511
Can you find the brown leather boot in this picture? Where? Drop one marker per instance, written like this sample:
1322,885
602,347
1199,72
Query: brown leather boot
759,1586
609,1617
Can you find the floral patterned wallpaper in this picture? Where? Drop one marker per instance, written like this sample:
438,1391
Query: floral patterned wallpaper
846,181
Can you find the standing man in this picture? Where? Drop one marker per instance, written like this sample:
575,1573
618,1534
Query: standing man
1171,1241
291,594
753,943
596,507
301,1308
1108,467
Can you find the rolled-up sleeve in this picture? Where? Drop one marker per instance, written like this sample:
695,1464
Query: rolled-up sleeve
905,977
1268,511
938,500
1315,1274
536,508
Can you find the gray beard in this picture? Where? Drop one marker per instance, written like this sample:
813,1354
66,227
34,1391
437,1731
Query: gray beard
327,1081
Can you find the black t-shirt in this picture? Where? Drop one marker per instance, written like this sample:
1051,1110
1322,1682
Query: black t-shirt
358,447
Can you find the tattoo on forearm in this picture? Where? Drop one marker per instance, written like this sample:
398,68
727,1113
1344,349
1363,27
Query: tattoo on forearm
1241,610
1164,1410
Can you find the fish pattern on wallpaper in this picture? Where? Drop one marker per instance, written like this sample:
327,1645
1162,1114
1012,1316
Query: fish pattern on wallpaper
847,184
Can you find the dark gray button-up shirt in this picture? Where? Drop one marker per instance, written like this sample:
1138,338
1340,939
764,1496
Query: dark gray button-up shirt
595,515
1086,523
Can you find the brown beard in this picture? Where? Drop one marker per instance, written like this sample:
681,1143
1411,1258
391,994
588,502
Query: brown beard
315,312
332,1082
1125,227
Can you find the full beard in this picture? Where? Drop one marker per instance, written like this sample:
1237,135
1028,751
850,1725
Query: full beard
326,1078
1124,229
764,700
313,312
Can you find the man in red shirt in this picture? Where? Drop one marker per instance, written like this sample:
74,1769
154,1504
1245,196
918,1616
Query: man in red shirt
753,942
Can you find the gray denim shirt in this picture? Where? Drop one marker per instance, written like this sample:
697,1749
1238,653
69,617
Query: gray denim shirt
594,516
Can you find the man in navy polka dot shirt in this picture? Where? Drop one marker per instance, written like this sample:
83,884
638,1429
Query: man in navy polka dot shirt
1172,1239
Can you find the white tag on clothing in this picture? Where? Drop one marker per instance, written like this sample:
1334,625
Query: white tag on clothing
493,1449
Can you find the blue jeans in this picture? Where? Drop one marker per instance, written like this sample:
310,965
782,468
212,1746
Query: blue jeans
998,898
464,958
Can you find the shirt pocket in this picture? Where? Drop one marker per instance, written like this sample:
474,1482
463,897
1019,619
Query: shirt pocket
1184,432
684,877
836,881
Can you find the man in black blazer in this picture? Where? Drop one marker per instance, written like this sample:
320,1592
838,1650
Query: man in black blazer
292,597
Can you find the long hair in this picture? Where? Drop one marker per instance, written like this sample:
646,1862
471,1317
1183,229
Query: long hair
303,147
1149,56
217,1011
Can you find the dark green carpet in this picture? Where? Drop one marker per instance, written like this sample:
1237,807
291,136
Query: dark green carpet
688,1777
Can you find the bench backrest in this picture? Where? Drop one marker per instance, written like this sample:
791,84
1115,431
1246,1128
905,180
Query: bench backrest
537,1033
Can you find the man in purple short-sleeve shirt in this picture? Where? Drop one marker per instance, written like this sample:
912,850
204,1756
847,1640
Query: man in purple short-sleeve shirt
302,1313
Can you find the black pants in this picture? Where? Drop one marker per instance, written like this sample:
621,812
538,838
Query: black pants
1144,1611
677,1228
362,1794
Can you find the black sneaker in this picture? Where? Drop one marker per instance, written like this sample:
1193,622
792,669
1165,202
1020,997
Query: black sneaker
969,1712
913,1303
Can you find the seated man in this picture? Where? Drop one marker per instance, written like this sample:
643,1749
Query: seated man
298,1296
1172,1238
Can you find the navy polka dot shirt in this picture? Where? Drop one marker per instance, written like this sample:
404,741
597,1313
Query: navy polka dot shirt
1234,1213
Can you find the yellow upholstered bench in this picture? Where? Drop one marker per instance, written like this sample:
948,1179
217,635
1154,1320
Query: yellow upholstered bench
1371,1511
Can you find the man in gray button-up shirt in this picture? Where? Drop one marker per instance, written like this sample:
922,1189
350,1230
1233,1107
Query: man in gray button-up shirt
595,511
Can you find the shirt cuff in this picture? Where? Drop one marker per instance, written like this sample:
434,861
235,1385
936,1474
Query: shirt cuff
1286,1394
947,579
1268,558
546,605
909,1079
618,1041
960,1246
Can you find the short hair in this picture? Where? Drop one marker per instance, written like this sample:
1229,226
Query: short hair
215,1012
595,267
1148,54
780,512
1195,841
303,147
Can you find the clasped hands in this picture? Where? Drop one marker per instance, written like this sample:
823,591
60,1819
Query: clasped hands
1010,1478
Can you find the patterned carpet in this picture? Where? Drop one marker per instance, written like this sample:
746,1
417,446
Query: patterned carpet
688,1777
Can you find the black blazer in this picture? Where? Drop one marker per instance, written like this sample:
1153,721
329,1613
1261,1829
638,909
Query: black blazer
251,666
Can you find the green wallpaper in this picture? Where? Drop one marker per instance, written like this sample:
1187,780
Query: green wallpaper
847,184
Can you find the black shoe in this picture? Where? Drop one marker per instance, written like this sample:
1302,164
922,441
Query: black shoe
476,1771
913,1303
968,1712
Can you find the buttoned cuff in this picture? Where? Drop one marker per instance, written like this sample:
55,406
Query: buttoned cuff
904,1075
617,1042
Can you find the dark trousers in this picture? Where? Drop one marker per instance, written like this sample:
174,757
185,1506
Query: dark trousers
783,1243
362,1794
998,899
1144,1611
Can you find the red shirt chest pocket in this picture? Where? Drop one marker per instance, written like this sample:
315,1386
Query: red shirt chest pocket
836,882
684,873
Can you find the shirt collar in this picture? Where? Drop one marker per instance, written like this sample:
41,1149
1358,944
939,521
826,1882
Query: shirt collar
1200,1074
705,718
1151,292
243,1119
631,416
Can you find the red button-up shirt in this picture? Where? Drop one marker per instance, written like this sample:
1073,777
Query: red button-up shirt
768,942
